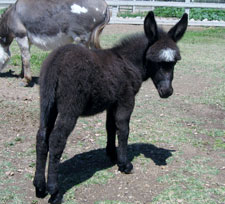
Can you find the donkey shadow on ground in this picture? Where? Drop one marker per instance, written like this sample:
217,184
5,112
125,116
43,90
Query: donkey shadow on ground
11,74
83,166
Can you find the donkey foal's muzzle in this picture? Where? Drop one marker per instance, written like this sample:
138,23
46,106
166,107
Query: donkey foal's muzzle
165,89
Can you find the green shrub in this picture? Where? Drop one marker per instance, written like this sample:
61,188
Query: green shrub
210,14
195,13
2,11
132,15
168,12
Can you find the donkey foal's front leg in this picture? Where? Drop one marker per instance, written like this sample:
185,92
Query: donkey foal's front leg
122,123
124,165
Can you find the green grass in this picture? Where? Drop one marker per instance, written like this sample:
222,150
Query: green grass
189,184
192,176
37,57
7,195
211,65
194,182
110,202
2,11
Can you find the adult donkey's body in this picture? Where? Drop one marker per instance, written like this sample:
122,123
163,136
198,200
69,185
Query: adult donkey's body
75,82
49,24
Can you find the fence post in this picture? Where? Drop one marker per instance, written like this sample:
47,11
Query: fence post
114,11
187,10
134,8
153,8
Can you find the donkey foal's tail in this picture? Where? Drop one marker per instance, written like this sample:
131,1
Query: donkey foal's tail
48,83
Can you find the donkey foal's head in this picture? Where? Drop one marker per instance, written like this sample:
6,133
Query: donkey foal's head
163,53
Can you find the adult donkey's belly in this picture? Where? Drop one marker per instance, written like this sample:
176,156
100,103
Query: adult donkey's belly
46,42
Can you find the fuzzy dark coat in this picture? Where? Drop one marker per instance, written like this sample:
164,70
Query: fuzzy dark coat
76,81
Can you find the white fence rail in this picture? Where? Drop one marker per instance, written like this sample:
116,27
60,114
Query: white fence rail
186,4
6,3
115,4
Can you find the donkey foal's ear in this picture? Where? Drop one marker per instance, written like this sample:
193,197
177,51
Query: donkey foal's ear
150,27
177,32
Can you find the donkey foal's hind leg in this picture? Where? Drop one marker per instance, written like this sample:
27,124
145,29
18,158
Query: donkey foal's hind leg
42,152
57,142
111,136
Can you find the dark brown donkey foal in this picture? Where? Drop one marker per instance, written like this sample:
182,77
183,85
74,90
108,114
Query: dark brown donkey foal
76,81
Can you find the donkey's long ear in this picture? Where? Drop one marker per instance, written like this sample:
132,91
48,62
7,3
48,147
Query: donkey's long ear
177,32
150,27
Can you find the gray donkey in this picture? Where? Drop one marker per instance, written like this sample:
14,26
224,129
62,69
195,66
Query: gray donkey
50,24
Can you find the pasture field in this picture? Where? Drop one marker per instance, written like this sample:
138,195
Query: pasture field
177,145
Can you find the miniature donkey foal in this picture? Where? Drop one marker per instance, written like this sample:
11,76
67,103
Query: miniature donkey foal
76,81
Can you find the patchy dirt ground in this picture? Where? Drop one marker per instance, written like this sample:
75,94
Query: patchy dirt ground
177,146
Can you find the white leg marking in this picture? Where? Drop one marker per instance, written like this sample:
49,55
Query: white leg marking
23,42
78,9
4,58
25,53
167,55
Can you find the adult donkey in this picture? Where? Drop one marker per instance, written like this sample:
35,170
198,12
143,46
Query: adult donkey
76,81
50,24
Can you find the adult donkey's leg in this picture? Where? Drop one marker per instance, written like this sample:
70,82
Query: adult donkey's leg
57,141
25,54
42,143
111,135
123,114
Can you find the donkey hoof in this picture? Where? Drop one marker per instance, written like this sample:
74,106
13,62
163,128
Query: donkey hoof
23,84
40,187
126,168
56,198
41,192
52,189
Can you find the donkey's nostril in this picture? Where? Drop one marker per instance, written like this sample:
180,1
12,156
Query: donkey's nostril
170,91
160,90
165,93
